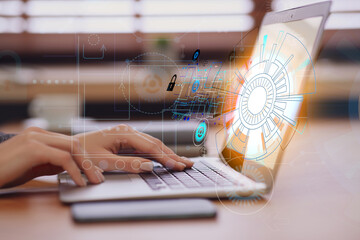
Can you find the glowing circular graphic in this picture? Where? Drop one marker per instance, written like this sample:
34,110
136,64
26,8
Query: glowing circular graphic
152,83
93,39
195,86
257,101
146,79
196,55
265,96
254,198
200,133
251,198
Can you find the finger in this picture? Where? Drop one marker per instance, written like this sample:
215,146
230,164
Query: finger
72,146
46,170
168,151
46,154
40,130
128,137
143,144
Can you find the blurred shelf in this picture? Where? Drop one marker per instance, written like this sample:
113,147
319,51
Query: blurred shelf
336,81
98,83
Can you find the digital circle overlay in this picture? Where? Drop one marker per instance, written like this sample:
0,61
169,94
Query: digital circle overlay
200,133
266,96
196,55
145,79
195,86
246,201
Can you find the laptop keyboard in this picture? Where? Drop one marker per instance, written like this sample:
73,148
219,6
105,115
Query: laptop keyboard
200,175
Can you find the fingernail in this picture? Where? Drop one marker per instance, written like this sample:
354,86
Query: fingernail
83,182
187,159
100,176
170,164
100,169
147,166
181,165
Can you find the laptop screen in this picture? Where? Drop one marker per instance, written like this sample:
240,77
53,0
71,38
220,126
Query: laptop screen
269,91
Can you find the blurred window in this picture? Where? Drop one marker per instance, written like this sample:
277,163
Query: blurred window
125,16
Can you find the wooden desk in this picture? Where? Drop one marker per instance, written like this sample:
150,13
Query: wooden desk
316,196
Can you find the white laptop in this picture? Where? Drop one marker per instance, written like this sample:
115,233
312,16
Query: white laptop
216,177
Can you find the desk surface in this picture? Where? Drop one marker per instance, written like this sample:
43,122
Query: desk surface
316,196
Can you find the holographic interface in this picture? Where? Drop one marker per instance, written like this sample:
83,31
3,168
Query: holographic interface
267,91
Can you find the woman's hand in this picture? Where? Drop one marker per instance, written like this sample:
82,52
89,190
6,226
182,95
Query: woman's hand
36,152
102,148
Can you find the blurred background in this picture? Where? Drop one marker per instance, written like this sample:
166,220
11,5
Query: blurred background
43,44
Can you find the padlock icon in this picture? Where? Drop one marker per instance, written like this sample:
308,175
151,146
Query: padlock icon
172,83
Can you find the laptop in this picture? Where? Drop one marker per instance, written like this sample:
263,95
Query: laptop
244,168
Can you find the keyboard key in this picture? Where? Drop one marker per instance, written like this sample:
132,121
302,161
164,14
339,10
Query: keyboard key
201,175
169,179
200,178
214,174
152,180
186,179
